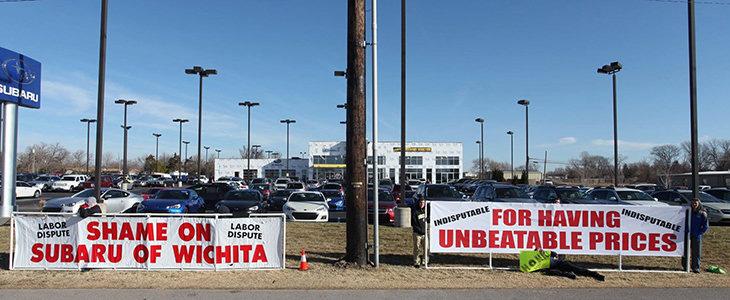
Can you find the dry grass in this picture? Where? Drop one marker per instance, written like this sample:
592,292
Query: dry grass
325,244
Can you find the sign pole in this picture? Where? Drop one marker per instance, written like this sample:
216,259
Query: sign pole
10,149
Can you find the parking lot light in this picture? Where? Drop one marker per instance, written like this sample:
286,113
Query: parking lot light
219,152
202,73
526,103
88,125
612,69
126,129
248,104
287,121
481,148
179,167
157,147
512,154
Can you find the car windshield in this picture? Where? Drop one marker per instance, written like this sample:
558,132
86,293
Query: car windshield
43,178
382,196
704,197
151,191
282,181
297,197
510,192
570,194
282,193
85,193
331,194
258,180
172,194
332,187
295,185
634,196
261,187
68,178
441,191
242,196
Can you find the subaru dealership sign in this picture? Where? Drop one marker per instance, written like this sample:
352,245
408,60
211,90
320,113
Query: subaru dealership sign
20,79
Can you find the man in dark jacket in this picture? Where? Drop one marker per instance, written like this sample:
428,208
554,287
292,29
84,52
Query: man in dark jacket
89,208
418,222
698,226
561,267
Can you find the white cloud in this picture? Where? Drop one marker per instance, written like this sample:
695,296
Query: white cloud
625,144
567,140
74,98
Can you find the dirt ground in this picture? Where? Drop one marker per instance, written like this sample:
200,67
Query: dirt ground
325,245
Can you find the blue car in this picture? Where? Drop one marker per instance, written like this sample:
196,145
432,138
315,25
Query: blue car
335,199
174,201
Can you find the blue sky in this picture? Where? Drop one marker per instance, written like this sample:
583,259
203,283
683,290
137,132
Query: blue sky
466,59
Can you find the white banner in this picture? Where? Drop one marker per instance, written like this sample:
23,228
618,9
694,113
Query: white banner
63,242
484,227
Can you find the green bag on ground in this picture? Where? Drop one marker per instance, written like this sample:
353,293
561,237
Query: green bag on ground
714,269
534,260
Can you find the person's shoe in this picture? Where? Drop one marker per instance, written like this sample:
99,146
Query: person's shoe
416,266
695,271
600,277
571,275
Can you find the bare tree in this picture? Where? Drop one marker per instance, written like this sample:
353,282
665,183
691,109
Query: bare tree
43,158
665,157
254,152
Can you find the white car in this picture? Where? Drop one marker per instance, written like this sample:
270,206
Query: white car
68,183
280,183
637,197
306,206
24,189
116,201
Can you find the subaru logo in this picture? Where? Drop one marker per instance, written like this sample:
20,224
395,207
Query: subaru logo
18,71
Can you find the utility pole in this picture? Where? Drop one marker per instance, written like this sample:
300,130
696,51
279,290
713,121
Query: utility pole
356,133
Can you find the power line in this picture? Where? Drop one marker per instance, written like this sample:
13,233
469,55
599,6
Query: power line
696,2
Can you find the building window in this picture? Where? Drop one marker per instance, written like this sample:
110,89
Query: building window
271,174
250,174
329,159
412,173
392,173
447,160
446,175
381,160
414,160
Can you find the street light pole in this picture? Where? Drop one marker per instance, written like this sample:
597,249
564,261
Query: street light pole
248,104
219,152
179,167
512,155
157,147
612,69
526,103
186,155
202,73
481,148
287,121
88,131
126,128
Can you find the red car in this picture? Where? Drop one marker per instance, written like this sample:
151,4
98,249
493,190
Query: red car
106,182
151,192
386,206
396,192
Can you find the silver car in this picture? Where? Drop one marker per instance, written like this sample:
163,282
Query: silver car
44,182
116,201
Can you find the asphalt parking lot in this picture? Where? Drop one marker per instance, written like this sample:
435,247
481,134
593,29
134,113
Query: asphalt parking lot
32,204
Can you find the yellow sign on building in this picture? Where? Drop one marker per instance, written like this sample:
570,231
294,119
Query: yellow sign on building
413,149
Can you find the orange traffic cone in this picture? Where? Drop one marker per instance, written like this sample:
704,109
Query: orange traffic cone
303,262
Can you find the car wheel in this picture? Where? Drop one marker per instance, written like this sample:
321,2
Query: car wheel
36,194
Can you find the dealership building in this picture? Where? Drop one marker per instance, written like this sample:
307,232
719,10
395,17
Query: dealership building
434,161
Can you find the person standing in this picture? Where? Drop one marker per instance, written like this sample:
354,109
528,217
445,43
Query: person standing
418,222
698,226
